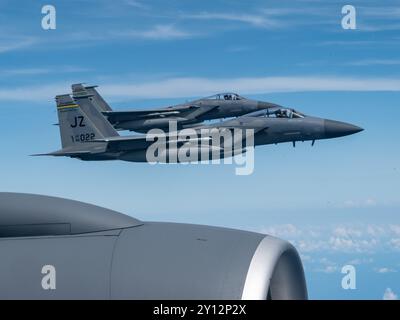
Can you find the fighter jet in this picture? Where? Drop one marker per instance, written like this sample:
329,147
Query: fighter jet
222,105
87,135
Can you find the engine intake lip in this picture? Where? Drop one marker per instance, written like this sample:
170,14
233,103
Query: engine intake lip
275,273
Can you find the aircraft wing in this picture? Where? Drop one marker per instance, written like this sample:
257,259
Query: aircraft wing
123,143
242,122
121,116
62,154
131,143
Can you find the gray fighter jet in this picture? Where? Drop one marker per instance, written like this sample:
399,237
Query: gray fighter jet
87,135
223,105
53,248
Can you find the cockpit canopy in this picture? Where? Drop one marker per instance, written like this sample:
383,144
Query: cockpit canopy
287,113
225,96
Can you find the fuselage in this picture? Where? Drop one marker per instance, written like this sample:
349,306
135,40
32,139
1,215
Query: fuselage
230,108
265,130
279,130
210,108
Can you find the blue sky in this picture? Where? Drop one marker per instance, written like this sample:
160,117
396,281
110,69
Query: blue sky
338,201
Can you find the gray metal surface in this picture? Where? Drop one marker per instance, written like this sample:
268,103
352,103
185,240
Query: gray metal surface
180,261
138,260
82,266
33,215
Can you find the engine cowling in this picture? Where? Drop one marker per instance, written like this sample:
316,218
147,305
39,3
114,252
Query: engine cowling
53,248
178,261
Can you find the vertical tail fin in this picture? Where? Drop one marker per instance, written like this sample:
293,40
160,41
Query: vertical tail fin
85,102
98,100
75,126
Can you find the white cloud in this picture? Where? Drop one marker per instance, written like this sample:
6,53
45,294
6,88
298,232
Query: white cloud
7,45
158,32
350,204
381,12
381,26
239,49
344,244
310,245
374,62
328,266
185,87
24,71
355,43
360,261
370,202
270,18
295,11
327,269
190,87
284,230
44,70
44,93
305,257
395,243
376,231
358,238
395,228
385,270
382,18
389,295
136,4
254,20
347,232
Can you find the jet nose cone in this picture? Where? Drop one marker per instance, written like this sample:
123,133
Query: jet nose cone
335,129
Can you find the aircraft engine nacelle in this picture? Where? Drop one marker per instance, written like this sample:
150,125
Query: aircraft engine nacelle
53,248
